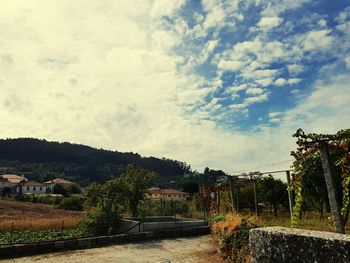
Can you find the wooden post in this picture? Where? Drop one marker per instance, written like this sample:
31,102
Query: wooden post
218,201
331,189
237,199
231,195
255,197
290,195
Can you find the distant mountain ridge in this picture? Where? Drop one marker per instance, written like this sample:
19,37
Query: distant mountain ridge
44,159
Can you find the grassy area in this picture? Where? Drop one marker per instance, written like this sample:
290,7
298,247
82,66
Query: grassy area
311,221
29,216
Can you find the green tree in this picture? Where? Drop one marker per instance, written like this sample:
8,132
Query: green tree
104,204
272,192
73,189
59,189
136,181
190,187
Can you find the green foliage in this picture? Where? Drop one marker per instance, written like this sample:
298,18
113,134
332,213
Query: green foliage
58,189
73,189
218,218
272,192
136,182
308,182
47,160
190,187
74,202
29,236
98,221
104,204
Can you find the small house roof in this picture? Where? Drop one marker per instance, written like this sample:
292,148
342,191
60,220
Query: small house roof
14,178
167,192
58,181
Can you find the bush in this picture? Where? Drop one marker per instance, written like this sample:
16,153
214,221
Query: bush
232,236
75,203
97,222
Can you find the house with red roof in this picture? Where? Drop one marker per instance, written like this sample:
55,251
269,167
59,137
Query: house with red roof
157,194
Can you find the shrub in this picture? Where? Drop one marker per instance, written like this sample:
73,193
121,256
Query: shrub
97,222
232,236
74,202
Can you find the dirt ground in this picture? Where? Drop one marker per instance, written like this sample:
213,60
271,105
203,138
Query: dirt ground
181,250
28,216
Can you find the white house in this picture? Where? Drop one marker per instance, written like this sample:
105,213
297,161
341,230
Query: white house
31,187
157,194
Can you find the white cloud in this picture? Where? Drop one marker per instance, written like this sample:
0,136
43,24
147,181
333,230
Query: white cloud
254,91
347,62
166,8
317,40
269,22
230,65
265,82
280,82
295,69
293,81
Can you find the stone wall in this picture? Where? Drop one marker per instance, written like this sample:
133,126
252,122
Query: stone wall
280,244
17,250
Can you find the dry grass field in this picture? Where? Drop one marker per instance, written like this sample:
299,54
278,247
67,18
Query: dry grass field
29,216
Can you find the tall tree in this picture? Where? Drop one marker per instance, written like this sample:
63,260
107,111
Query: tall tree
137,181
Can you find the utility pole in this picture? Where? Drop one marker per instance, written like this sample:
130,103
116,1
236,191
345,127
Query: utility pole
290,195
255,197
231,195
331,189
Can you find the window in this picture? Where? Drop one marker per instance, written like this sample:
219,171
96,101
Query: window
28,188
34,188
41,188
169,195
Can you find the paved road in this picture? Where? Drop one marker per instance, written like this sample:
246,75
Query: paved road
182,250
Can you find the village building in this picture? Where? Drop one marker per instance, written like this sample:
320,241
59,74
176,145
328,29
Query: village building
60,181
31,187
157,194
14,178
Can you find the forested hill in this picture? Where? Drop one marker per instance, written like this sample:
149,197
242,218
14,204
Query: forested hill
41,159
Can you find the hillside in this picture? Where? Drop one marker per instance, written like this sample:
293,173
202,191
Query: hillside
42,160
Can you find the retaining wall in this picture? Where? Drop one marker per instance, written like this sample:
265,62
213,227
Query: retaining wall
280,244
17,250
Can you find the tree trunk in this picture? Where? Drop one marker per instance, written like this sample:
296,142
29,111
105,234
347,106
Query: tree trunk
331,189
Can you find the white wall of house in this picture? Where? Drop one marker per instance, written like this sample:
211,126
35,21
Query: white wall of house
169,197
32,189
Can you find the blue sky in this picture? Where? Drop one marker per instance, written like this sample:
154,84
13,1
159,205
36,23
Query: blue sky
214,83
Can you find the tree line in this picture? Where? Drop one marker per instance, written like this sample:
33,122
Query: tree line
43,160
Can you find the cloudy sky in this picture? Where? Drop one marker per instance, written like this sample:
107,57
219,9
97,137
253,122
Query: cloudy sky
214,83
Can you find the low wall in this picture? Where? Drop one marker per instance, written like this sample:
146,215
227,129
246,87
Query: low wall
17,250
152,226
280,244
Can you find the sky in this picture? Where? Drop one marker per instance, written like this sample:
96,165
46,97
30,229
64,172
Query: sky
214,83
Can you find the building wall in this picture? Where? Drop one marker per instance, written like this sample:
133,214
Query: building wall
166,197
32,189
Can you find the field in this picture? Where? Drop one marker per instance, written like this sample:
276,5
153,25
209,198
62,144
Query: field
29,216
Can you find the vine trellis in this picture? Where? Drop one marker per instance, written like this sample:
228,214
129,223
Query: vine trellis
334,150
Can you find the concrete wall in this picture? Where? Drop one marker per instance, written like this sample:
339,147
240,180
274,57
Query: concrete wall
17,250
279,244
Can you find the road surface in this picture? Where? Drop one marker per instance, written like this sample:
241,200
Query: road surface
181,250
